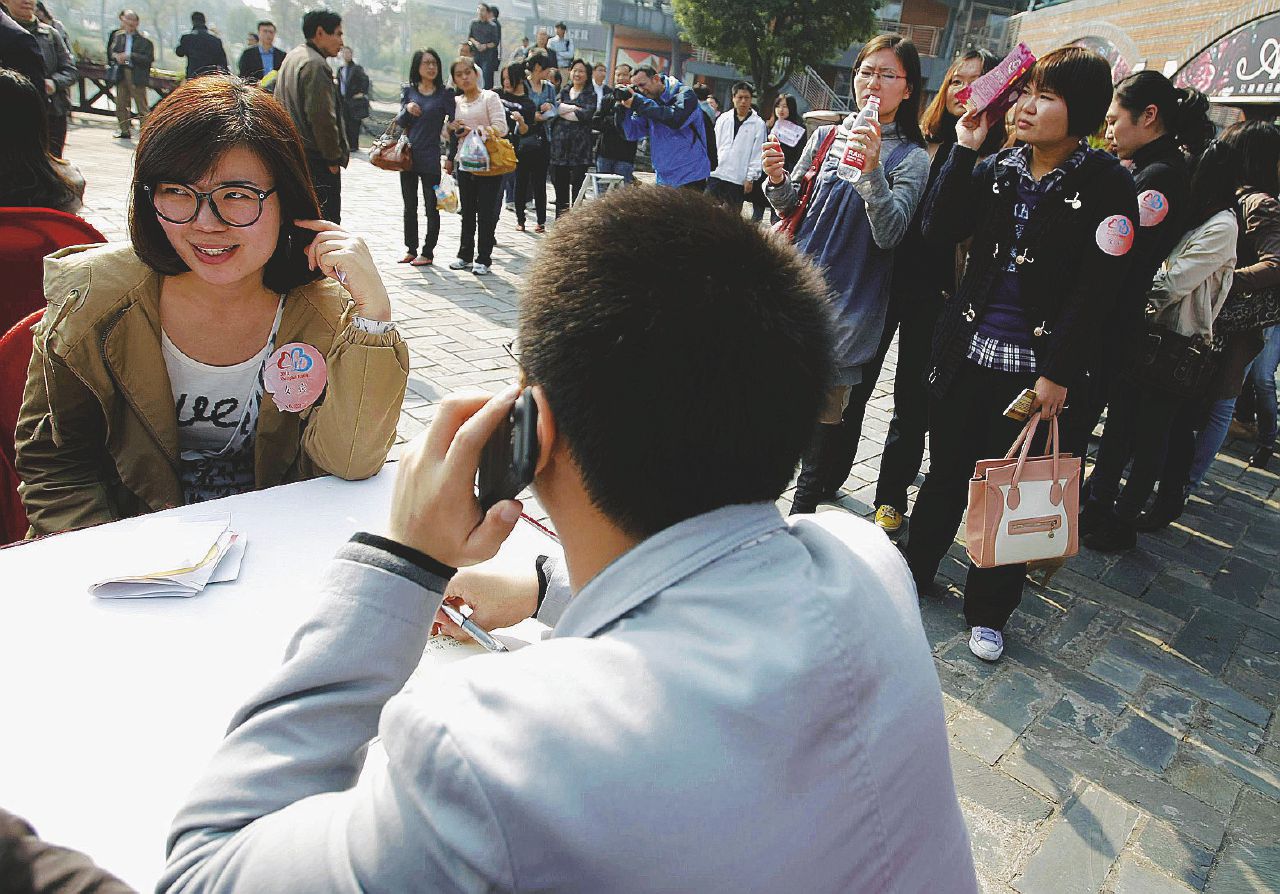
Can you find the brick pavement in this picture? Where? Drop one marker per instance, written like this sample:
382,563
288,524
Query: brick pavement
1127,742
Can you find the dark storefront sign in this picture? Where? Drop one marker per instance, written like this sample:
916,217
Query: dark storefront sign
1242,67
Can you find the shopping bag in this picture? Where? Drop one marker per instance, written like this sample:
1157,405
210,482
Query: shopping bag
447,194
1024,509
502,157
473,156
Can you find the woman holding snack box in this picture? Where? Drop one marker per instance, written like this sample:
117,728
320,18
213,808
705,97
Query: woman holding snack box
1052,222
850,230
235,343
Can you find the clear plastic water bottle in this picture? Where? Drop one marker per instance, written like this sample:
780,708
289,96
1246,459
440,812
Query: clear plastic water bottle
853,161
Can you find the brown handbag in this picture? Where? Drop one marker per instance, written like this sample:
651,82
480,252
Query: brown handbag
392,151
1024,509
788,225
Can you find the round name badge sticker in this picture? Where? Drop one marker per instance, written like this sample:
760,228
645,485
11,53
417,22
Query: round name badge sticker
295,375
1115,235
1153,207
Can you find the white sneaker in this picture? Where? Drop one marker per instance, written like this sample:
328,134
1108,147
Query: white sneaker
479,269
459,264
986,643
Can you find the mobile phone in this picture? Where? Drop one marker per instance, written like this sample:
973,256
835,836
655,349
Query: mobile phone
509,457
1020,409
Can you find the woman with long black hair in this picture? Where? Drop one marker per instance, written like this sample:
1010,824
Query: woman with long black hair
1157,127
925,274
30,177
572,141
850,231
425,104
1185,297
784,109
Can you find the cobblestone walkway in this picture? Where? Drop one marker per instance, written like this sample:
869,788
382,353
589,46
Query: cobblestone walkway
1127,741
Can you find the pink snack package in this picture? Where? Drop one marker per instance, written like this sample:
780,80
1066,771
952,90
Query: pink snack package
999,88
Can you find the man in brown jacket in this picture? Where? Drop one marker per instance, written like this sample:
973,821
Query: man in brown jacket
133,53
308,92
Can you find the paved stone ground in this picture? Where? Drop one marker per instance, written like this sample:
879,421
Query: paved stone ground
1126,743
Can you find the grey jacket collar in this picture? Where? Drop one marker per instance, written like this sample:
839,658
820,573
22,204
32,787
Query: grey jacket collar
664,560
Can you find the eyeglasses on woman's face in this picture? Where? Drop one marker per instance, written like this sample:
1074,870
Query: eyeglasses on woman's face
886,75
236,205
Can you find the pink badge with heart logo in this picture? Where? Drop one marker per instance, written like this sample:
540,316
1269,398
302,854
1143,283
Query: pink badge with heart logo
1115,235
295,376
1153,207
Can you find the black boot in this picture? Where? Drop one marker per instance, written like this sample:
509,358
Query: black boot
812,487
1261,457
1113,533
1164,511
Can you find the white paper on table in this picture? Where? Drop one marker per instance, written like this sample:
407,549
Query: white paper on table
171,557
788,132
445,650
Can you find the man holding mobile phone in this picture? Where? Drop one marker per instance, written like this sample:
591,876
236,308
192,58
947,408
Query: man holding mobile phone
717,677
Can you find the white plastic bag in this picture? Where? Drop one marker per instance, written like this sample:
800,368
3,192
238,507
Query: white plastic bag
447,194
473,157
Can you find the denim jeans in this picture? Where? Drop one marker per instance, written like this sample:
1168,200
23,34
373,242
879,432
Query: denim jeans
611,166
1210,438
1262,376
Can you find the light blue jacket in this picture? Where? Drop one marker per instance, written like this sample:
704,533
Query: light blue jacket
677,133
740,703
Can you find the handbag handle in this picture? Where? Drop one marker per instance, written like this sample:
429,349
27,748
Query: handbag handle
1023,441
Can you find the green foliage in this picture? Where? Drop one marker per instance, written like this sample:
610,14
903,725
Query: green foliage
772,39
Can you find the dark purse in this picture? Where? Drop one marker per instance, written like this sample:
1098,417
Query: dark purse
1168,361
1243,311
112,77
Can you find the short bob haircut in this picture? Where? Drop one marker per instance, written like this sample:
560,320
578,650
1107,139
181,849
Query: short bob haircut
186,135
1082,79
908,115
415,78
660,429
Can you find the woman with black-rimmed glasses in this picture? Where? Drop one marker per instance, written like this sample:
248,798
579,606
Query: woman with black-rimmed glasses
235,343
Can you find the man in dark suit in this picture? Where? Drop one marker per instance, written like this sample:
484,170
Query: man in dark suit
203,51
259,61
353,87
134,53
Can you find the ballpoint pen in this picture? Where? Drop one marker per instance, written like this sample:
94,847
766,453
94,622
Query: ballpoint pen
477,633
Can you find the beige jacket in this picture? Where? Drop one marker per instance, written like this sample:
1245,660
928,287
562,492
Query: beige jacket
1193,282
97,436
307,90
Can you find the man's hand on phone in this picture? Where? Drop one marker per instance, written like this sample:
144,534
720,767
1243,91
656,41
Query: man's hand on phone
434,509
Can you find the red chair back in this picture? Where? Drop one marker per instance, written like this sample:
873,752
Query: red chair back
26,236
15,357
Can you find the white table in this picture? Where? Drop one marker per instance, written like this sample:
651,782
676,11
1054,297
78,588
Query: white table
110,709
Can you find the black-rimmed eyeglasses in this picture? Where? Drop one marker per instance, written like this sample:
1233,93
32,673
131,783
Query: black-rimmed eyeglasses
235,206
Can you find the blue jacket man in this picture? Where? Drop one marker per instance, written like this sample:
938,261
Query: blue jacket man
666,111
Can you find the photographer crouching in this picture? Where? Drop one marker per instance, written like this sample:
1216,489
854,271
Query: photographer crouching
666,111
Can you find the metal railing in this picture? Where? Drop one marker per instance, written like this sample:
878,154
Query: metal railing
816,92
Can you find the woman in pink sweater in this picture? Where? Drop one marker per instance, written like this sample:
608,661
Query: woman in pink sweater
479,110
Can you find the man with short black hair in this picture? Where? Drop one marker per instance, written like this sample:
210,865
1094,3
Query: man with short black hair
666,111
483,38
564,49
353,88
307,90
257,62
739,136
727,700
615,154
203,51
133,53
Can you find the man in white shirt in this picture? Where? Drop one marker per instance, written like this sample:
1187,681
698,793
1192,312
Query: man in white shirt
598,75
740,134
562,46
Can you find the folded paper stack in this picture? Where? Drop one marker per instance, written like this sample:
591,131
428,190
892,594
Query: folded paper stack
172,557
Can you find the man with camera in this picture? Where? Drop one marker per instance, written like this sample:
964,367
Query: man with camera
728,700
666,111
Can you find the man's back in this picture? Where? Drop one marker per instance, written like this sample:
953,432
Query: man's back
733,705
204,51
305,88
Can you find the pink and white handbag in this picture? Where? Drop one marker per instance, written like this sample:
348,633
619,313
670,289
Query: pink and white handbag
1024,509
